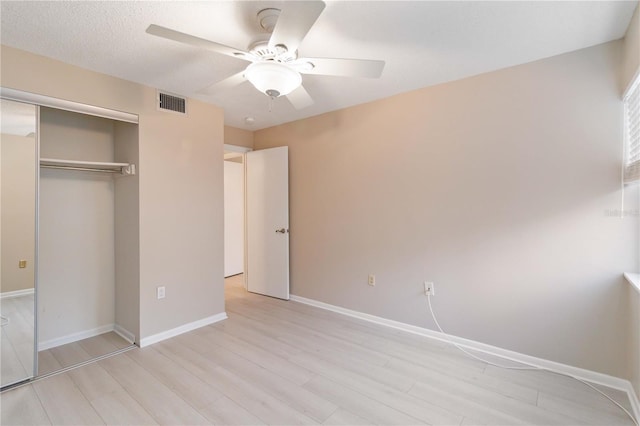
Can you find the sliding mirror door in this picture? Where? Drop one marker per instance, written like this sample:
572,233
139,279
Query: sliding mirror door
18,180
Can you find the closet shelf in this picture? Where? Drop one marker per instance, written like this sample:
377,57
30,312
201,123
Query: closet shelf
125,169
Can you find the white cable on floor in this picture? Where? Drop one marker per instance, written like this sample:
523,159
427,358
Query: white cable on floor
531,368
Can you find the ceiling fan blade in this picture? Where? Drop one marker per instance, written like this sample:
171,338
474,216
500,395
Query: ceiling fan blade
174,35
300,98
224,84
294,22
341,67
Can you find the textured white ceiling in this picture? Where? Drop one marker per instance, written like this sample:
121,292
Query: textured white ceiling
423,43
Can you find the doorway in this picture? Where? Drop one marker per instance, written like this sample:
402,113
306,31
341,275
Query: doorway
234,212
257,219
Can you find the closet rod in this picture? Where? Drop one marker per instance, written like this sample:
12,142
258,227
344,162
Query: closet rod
125,169
82,169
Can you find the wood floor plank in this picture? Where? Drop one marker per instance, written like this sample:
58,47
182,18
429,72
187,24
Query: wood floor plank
360,369
119,408
511,407
162,403
288,392
196,343
508,405
47,363
70,354
244,329
98,345
461,367
264,358
431,375
116,340
64,403
468,421
191,388
94,381
463,406
12,369
581,412
359,404
21,406
226,412
259,403
345,418
298,336
561,386
17,336
382,394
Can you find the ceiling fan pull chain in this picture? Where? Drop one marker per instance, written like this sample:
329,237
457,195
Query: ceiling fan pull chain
271,98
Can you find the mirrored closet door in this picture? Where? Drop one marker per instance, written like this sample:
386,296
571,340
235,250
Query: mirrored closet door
18,195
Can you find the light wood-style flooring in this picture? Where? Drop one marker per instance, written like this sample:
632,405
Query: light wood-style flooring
16,338
64,356
277,362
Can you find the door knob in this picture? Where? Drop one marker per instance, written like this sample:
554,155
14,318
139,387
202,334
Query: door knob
282,230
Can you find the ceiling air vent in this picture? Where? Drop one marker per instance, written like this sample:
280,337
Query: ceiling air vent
173,103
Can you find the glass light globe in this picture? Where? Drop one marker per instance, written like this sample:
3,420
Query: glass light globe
273,78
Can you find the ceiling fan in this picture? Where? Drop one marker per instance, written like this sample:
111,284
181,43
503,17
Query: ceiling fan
275,66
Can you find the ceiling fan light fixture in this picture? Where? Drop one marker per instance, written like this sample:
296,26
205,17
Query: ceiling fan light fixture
273,78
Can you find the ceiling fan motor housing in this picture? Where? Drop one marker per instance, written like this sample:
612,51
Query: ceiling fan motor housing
279,52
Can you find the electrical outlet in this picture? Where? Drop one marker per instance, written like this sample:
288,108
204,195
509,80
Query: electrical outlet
429,290
160,292
372,280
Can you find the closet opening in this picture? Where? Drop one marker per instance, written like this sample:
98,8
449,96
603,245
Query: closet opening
87,293
69,233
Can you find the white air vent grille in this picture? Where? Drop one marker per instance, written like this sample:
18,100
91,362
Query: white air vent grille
172,103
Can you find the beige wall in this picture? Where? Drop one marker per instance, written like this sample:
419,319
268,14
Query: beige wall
180,186
127,231
496,187
18,179
631,50
239,137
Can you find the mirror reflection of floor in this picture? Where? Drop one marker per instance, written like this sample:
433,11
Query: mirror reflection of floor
64,356
16,344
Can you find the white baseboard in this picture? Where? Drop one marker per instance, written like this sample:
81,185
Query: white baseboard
581,373
146,341
124,333
16,293
74,337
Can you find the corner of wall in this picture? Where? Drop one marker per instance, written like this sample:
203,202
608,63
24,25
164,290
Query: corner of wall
239,137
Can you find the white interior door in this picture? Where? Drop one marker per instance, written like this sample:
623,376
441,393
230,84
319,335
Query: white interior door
233,218
267,218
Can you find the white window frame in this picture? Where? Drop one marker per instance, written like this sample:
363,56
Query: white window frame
631,101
